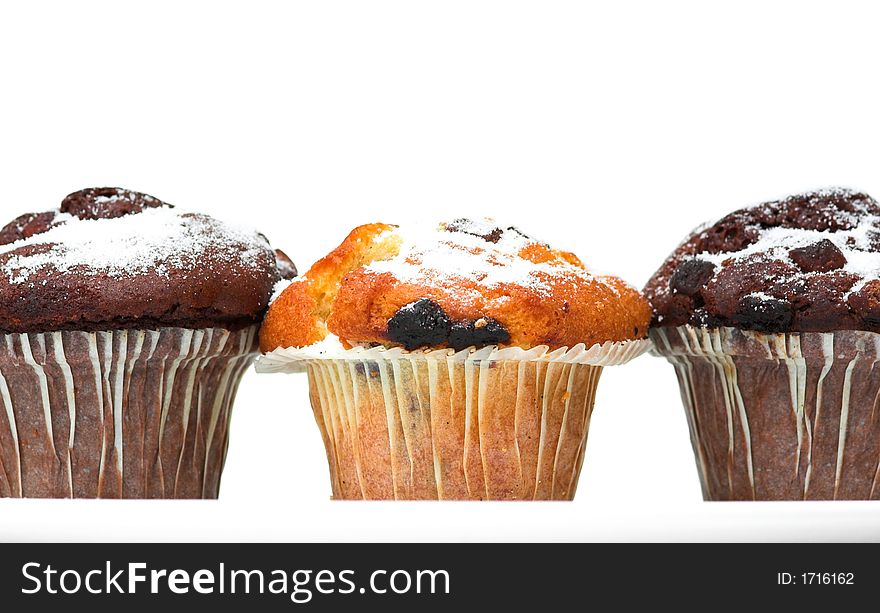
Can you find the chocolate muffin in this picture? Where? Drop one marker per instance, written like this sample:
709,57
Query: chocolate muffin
771,318
125,330
458,361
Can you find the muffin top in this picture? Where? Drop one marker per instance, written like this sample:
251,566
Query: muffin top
110,258
807,263
460,284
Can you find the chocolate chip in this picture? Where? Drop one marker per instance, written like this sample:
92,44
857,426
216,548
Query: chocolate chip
479,333
822,256
764,314
26,226
419,323
750,276
108,203
690,276
285,265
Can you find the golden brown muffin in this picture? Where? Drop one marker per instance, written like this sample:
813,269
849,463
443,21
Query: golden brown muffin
464,283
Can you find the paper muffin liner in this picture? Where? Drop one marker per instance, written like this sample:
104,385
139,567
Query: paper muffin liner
780,416
118,414
487,424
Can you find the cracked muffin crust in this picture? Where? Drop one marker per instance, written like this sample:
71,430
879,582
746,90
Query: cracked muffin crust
110,258
806,263
463,283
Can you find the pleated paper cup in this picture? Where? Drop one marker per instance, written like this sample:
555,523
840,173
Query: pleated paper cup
487,424
119,414
780,416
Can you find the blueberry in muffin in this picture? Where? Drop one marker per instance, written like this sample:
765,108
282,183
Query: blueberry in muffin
456,361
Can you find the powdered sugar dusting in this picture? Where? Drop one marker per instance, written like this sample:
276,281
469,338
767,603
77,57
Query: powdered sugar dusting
856,233
126,195
441,258
155,240
776,243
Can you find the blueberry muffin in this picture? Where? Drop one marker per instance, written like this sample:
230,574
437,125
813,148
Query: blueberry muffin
125,330
452,362
465,284
771,318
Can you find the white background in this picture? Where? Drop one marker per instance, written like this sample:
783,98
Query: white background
607,131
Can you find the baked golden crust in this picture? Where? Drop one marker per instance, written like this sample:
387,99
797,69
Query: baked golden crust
301,312
467,283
